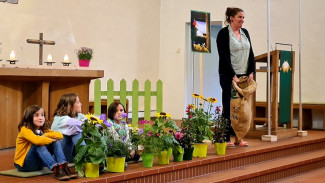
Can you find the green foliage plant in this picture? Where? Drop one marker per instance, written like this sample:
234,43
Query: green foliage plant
95,148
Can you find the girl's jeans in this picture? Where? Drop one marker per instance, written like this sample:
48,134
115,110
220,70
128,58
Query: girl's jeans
68,144
41,156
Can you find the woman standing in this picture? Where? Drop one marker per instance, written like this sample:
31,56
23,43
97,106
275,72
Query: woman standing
236,59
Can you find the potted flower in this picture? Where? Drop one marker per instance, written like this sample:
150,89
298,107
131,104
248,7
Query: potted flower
162,124
117,152
150,142
199,123
178,150
84,55
186,141
89,156
220,129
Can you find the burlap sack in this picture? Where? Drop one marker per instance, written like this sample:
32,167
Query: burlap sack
240,106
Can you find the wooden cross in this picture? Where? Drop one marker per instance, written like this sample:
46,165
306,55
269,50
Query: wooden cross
40,42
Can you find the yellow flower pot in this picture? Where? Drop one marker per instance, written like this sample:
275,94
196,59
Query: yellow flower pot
115,164
91,170
200,150
163,156
220,148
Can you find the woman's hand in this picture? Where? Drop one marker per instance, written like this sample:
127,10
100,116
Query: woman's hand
235,79
132,154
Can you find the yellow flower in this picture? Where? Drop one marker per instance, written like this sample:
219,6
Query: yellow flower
214,100
93,119
129,125
191,106
168,115
135,130
195,95
158,115
201,97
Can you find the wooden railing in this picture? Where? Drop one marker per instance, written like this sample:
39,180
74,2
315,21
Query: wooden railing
134,94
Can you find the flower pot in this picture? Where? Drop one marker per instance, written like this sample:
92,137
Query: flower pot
178,154
200,150
163,156
91,170
84,63
147,160
188,153
220,148
115,164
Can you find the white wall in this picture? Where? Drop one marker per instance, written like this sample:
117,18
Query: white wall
139,38
284,29
123,33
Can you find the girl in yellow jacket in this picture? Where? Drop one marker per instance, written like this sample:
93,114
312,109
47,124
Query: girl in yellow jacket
36,144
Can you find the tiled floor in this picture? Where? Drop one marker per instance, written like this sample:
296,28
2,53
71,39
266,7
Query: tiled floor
6,159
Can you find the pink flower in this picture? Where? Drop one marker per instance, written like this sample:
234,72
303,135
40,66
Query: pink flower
178,135
144,122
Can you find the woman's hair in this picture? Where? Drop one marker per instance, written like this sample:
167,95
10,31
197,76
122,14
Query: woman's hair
28,119
112,109
231,12
65,105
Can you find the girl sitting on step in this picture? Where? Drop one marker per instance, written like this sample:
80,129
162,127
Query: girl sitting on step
36,144
68,120
119,128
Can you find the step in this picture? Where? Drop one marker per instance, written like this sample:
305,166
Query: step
267,170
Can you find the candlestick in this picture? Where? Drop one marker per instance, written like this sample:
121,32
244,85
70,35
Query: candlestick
12,56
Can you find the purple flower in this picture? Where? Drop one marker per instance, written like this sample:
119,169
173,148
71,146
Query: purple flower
124,115
107,124
110,145
140,131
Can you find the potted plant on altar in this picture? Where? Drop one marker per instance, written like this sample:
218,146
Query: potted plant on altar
162,124
117,151
149,142
199,123
178,150
220,129
89,156
84,55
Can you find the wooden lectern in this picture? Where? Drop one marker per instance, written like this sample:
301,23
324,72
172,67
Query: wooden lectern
259,118
22,87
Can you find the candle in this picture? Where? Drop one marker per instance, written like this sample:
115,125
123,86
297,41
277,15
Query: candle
66,58
12,56
49,58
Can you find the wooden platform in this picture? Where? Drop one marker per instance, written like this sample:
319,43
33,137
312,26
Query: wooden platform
281,133
260,162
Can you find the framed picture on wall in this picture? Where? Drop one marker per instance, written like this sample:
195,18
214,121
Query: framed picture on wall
200,31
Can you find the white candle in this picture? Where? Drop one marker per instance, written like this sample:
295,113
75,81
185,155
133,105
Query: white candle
66,58
12,56
49,58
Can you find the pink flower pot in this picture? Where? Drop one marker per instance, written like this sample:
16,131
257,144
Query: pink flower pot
84,63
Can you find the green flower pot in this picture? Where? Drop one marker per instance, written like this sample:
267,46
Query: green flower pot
147,160
178,154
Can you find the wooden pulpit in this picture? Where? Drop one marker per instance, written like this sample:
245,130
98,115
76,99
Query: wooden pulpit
260,117
22,87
